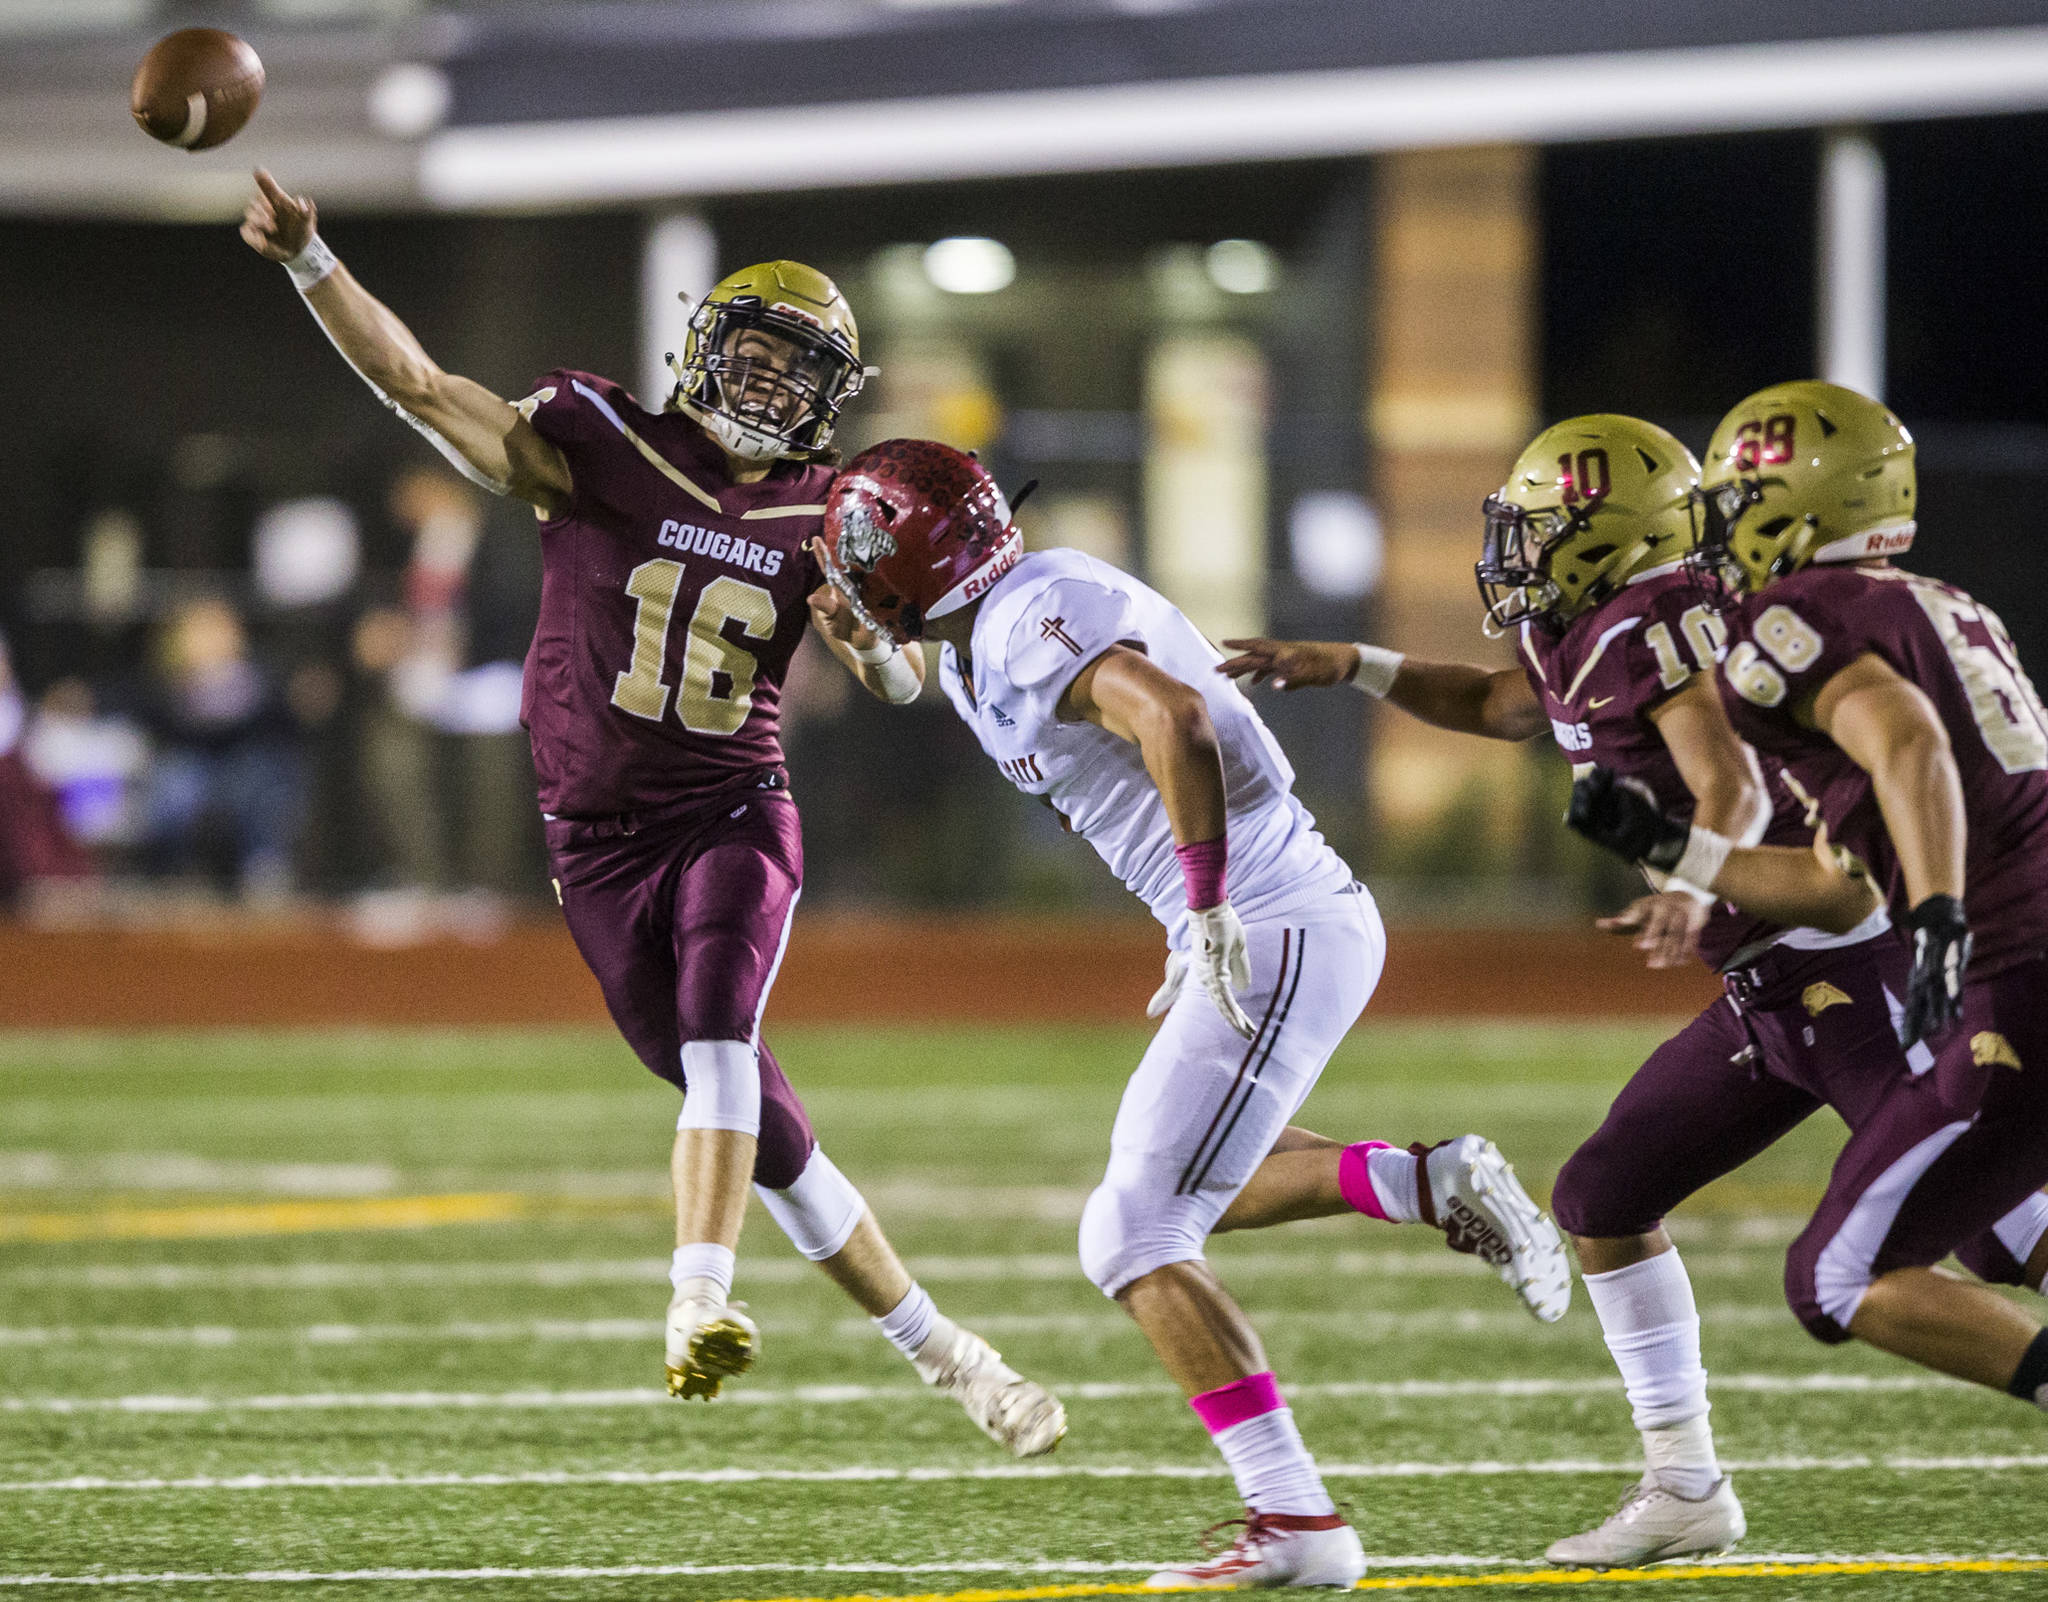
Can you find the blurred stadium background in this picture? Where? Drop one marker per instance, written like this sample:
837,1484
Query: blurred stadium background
1267,293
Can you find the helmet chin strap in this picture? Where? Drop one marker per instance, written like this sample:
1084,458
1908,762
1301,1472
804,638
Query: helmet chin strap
749,444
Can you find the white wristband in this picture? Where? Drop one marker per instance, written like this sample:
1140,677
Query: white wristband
1376,669
897,679
873,655
1705,852
312,264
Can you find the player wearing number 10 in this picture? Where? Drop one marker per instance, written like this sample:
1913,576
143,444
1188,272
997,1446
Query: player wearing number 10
1618,641
675,581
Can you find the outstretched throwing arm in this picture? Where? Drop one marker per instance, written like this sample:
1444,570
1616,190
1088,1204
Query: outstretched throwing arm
1494,703
483,435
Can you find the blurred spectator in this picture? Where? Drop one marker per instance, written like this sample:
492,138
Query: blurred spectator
441,739
226,772
35,847
93,762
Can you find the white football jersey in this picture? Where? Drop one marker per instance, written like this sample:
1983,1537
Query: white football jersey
1047,619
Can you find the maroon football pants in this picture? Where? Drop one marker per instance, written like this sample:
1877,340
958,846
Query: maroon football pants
683,920
1801,1030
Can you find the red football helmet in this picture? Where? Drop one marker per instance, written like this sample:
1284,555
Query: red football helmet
914,530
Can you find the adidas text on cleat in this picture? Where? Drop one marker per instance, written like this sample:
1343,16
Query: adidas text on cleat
708,1344
1471,1193
1274,1549
1654,1523
1018,1414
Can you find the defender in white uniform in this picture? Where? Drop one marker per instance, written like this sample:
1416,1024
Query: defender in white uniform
1093,691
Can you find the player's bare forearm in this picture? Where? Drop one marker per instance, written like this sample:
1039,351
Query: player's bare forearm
1495,703
483,428
483,435
1123,692
1890,729
1720,771
833,617
1801,889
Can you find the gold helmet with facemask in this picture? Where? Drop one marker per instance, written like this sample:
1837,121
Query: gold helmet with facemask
1590,502
1806,472
772,355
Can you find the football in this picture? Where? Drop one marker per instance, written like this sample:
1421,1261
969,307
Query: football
196,88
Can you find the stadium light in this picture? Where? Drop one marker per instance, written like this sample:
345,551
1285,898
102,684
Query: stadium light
970,265
1241,266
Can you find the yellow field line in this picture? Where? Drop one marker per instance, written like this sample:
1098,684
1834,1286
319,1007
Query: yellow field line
267,1218
1458,1582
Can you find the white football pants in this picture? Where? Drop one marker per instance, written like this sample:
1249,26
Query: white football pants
1205,1106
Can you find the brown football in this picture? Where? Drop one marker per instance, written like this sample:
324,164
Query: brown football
196,88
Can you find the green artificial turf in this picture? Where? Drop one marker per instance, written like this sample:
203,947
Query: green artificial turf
977,1149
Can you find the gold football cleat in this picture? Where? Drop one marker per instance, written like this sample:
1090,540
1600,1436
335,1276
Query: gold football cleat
722,1347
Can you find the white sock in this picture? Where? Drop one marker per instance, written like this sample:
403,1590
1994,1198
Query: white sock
1395,1175
703,1270
1272,1467
1652,1326
909,1323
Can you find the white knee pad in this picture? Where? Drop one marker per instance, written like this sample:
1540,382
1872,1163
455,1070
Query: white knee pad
818,1213
722,1086
1134,1223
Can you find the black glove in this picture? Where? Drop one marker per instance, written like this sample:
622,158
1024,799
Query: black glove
1623,815
1941,956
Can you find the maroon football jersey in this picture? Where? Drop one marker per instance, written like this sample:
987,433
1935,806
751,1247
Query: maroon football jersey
1799,632
671,602
1601,679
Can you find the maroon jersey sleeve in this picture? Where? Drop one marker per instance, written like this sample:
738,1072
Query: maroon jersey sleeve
1603,681
1808,627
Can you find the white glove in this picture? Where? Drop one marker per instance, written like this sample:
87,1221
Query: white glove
1167,994
1221,963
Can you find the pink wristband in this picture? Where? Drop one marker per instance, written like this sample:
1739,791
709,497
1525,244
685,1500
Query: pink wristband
1202,865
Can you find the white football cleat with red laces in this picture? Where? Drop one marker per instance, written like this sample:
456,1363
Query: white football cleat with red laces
1274,1549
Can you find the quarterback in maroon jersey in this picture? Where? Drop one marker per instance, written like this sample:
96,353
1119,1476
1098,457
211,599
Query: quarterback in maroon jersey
1618,642
1898,705
674,592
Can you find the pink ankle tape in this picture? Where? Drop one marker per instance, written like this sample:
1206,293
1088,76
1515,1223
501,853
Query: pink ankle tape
1354,1178
1203,866
1230,1404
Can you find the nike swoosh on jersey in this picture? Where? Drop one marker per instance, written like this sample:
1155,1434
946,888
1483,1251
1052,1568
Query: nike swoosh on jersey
1597,702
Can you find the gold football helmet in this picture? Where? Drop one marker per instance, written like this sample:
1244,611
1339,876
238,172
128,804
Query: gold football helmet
1590,501
772,355
1806,472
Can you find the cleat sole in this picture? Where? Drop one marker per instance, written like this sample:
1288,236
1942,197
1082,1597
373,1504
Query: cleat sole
720,1349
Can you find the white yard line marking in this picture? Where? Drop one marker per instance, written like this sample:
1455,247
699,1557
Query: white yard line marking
1759,1566
1106,1324
186,1171
829,1395
639,1571
870,1473
1423,1263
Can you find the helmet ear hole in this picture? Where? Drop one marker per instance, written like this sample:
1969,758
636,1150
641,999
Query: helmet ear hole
1773,526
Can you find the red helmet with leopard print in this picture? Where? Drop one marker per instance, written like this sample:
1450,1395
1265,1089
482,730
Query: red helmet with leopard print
914,530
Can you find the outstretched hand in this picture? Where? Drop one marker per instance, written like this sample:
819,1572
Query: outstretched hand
1666,927
276,225
1290,664
831,612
